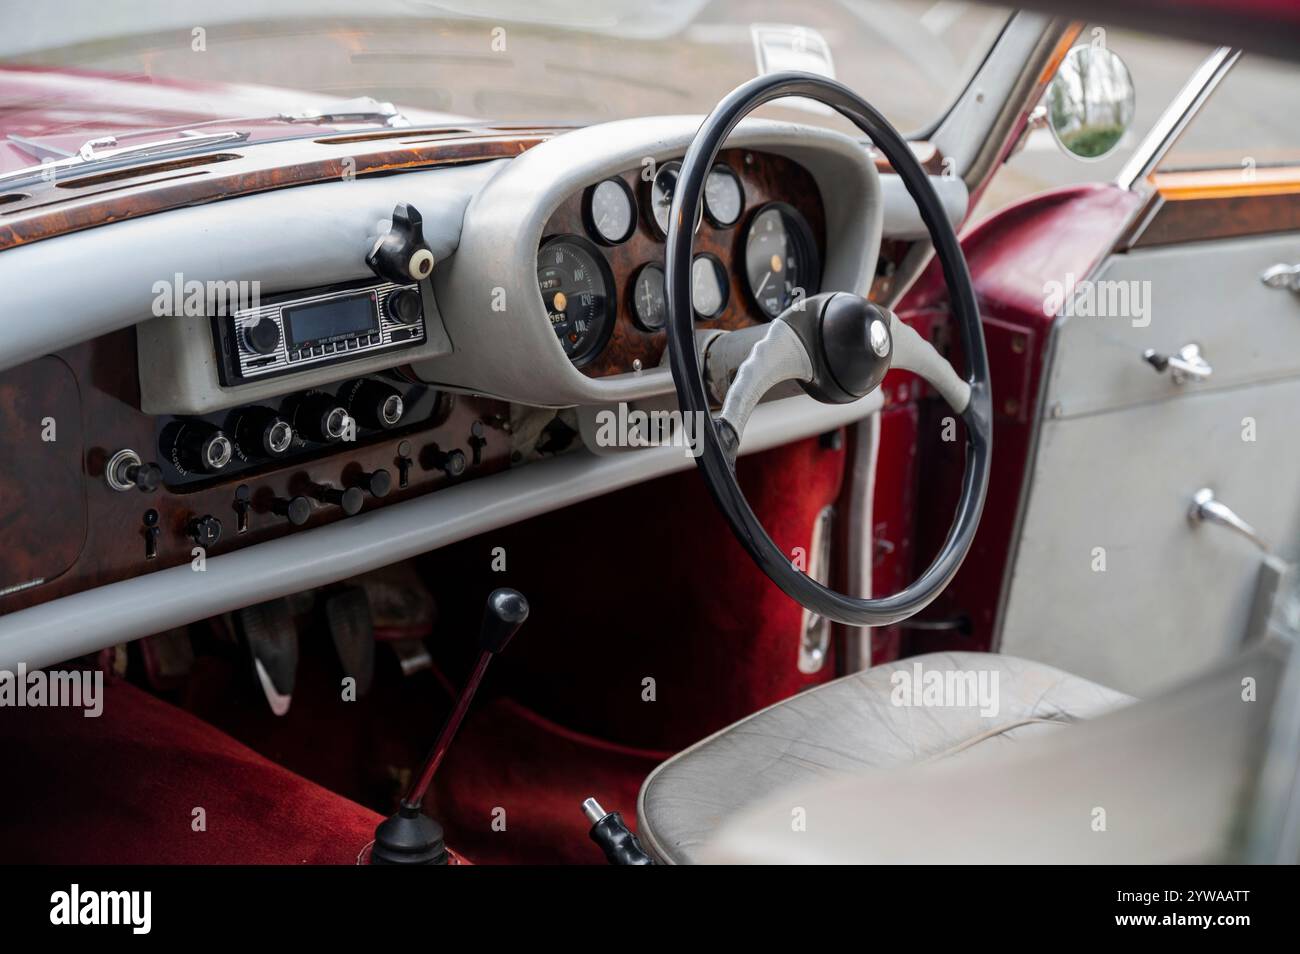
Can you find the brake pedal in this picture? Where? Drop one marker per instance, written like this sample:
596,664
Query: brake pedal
272,638
353,632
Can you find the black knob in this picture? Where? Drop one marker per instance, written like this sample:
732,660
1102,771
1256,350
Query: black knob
403,306
147,477
377,484
401,255
206,530
452,462
320,417
297,509
261,432
202,448
505,612
350,500
377,405
261,336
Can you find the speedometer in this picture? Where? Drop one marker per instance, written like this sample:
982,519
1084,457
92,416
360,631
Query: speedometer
780,258
578,291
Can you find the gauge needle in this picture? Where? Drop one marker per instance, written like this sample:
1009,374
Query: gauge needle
761,285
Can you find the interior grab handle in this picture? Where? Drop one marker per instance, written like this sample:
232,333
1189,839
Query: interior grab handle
1186,364
1206,508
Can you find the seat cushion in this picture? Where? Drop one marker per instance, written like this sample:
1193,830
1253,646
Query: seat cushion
937,706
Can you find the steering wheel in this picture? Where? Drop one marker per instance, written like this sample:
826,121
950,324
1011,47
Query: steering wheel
838,346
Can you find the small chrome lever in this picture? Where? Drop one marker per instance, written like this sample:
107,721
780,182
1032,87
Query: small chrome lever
1282,276
1186,365
1206,509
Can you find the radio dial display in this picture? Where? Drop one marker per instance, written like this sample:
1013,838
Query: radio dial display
331,320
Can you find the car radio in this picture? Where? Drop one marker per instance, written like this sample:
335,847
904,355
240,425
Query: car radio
307,330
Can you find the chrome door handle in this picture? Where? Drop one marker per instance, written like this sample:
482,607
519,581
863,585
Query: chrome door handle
1282,275
1185,365
1206,509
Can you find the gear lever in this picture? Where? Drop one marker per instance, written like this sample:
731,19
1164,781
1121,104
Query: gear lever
411,837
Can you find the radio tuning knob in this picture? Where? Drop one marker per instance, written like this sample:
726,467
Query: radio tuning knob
403,306
320,417
203,448
261,432
261,336
377,405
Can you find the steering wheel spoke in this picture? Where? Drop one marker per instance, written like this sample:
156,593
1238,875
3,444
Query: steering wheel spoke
914,353
779,356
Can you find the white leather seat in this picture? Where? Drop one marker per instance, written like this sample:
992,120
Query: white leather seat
852,726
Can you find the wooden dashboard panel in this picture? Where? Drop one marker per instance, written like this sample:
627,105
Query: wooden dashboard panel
92,535
764,178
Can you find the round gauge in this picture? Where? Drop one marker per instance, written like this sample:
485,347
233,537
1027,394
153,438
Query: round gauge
649,300
780,258
609,210
661,196
724,197
578,291
708,287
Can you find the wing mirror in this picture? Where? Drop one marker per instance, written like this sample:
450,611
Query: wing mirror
1089,104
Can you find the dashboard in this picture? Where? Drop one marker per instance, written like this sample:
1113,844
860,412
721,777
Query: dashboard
346,418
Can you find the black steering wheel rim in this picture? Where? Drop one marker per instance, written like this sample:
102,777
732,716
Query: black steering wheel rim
684,359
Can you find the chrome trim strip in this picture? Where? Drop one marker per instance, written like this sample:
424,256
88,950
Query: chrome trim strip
1177,115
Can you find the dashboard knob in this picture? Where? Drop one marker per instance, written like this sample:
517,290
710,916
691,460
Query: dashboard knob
125,471
261,432
377,405
403,306
296,509
452,462
377,484
261,336
320,417
202,448
205,530
350,499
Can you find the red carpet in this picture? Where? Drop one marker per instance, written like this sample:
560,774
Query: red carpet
122,789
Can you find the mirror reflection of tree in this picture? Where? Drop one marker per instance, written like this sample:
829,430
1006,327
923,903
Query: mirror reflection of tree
1090,101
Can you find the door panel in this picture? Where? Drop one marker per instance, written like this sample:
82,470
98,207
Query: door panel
1120,452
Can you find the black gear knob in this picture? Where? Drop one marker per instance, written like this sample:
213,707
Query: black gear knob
505,612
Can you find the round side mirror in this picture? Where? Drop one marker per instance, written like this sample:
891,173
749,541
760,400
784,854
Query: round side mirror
1090,102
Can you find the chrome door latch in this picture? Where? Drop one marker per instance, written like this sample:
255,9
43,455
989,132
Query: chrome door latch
1282,275
1183,366
1205,508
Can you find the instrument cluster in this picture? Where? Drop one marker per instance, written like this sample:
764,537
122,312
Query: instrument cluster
757,251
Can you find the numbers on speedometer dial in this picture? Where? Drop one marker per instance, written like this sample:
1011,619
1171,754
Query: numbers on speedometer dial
780,258
578,291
